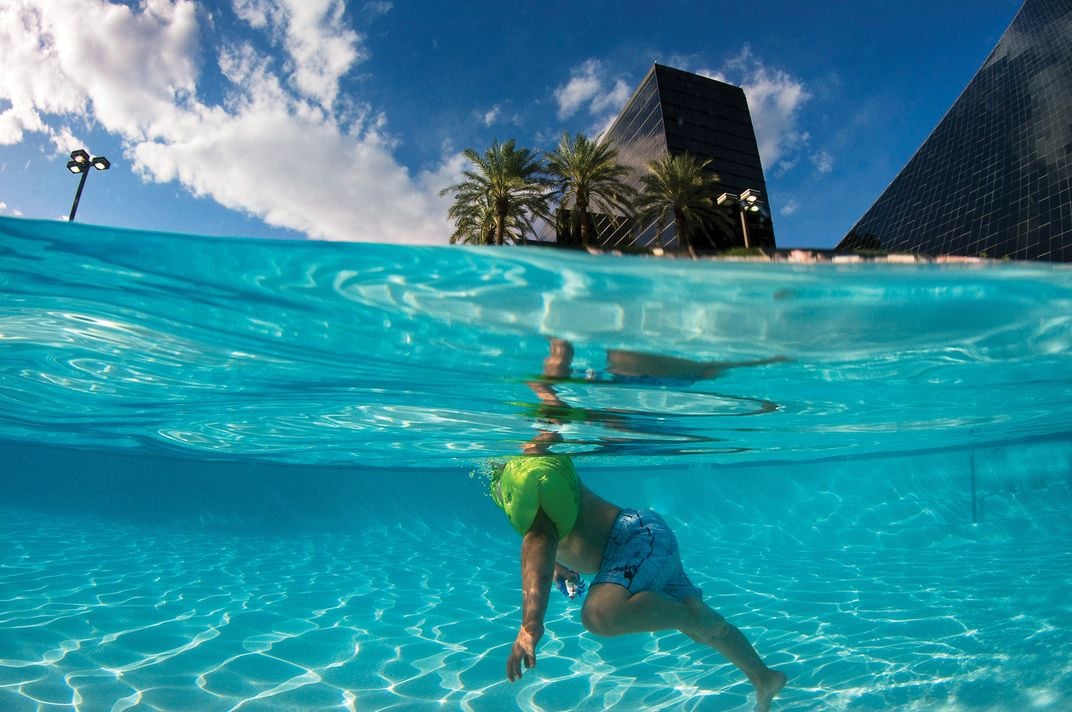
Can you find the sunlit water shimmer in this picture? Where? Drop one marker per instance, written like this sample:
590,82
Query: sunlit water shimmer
239,474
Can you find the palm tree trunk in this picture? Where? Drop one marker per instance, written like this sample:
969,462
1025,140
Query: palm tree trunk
684,240
582,210
500,220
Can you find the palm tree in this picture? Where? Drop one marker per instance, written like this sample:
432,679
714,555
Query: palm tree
474,221
680,188
501,194
587,173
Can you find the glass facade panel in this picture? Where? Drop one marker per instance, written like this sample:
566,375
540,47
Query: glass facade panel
993,178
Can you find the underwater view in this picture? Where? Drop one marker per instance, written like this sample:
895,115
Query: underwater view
243,474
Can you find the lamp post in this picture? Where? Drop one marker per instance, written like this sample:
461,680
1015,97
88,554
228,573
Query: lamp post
747,202
80,163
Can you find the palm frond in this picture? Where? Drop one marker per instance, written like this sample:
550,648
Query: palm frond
506,188
587,176
679,188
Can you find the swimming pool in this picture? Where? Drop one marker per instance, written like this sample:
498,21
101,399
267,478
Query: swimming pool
244,474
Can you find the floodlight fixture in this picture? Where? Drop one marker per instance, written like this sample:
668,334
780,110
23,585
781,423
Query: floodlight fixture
80,163
749,201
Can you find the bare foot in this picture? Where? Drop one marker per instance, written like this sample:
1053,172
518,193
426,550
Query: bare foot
768,688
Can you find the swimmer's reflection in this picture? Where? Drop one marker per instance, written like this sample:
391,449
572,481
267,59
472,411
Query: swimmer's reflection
639,584
640,367
634,368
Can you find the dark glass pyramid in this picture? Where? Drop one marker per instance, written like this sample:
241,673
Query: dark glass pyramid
995,176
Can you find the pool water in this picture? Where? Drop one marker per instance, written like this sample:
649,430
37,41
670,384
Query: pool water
242,474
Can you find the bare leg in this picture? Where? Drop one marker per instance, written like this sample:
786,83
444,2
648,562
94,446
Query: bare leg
610,610
646,365
558,361
635,363
713,630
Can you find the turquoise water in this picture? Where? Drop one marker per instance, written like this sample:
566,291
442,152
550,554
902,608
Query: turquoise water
238,474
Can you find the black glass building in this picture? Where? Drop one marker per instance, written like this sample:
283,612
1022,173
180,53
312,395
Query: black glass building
995,176
673,111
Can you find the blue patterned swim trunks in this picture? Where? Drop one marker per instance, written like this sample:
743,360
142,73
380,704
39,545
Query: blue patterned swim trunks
642,555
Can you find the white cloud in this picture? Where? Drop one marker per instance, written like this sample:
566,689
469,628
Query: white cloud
498,114
491,115
791,206
321,49
582,86
590,87
128,73
378,8
277,145
257,13
323,183
823,162
613,100
775,99
65,141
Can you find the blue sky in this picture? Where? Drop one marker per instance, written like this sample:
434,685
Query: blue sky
342,120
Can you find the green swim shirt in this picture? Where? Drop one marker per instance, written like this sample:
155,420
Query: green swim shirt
531,482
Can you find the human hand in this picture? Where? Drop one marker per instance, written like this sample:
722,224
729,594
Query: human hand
524,650
569,582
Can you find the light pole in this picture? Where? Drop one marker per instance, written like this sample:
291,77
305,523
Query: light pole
80,163
747,202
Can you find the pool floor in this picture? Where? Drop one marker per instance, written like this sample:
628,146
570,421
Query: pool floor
96,615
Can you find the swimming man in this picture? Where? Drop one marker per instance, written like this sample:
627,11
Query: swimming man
639,584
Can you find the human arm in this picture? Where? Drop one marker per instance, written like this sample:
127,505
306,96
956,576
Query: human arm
538,549
556,367
541,443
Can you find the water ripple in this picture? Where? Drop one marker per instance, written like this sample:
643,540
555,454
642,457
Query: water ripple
308,353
